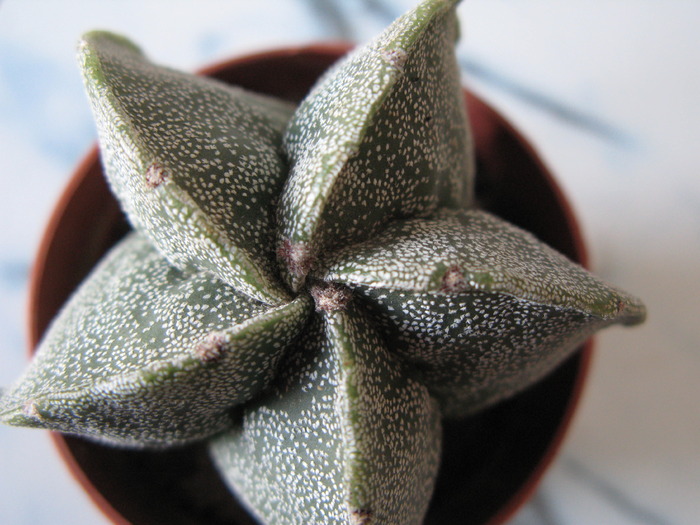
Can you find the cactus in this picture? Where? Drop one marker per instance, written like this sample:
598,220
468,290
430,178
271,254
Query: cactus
310,289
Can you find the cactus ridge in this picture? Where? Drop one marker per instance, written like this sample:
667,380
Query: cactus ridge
196,164
310,290
469,280
464,251
342,399
383,135
120,361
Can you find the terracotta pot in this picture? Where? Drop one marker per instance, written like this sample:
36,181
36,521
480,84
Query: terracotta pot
492,461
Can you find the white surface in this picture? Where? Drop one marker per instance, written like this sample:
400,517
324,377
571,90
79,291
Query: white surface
607,91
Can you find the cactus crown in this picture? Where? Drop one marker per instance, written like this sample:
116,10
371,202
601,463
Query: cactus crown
310,289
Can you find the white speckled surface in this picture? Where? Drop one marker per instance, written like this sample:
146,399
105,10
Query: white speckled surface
607,91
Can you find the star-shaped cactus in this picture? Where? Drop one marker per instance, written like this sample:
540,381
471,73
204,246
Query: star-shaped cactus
310,289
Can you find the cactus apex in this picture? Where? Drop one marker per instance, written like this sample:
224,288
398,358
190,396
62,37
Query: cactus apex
330,297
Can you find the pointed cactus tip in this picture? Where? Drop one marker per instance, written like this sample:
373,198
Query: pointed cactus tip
27,414
94,38
631,311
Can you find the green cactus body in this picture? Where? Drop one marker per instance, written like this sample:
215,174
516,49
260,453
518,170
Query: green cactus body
145,354
310,290
471,280
197,165
344,419
381,136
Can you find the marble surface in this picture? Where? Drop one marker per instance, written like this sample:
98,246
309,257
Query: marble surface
608,93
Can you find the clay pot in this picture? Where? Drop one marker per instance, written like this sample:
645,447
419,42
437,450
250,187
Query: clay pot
492,462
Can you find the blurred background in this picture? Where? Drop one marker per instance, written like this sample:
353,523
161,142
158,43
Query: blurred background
607,91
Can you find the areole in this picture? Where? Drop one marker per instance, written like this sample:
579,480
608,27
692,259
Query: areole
493,461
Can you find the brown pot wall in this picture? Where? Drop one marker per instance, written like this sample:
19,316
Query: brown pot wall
493,461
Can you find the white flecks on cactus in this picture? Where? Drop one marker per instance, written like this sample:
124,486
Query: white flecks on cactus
383,135
145,354
481,307
250,214
475,349
347,434
462,251
196,164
